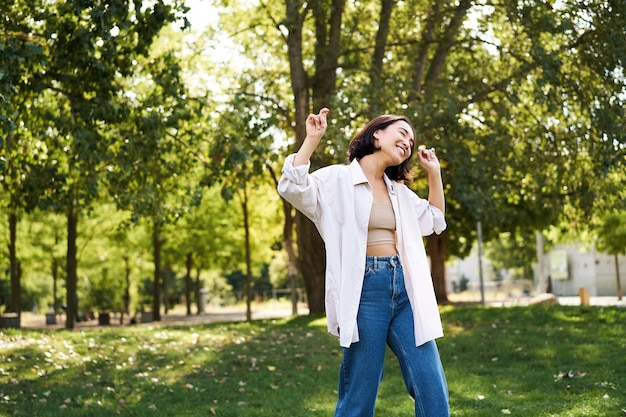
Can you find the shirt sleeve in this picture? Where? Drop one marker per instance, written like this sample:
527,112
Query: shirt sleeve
439,220
299,188
430,218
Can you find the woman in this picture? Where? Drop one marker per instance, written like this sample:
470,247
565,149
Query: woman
378,286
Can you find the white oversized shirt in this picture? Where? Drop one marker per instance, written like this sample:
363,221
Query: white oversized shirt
338,199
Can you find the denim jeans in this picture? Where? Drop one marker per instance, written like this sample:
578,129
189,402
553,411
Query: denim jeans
385,318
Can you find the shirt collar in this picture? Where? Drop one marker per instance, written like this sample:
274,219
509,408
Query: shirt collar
391,185
358,176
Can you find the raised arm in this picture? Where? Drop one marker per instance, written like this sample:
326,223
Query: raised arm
315,128
428,160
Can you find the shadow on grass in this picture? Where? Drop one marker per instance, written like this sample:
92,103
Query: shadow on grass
259,368
525,361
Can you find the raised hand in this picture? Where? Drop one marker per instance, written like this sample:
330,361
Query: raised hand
316,125
428,159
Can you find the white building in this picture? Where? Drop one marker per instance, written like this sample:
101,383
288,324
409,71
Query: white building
570,268
466,272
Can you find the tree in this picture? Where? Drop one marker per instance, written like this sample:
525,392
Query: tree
514,251
86,50
523,101
611,237
26,173
239,154
42,252
149,177
208,235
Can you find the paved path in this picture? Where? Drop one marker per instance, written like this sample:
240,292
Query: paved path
176,317
566,301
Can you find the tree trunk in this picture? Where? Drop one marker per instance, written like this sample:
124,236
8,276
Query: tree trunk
311,255
126,295
55,279
288,244
165,281
328,33
423,52
156,253
445,44
619,283
299,86
188,284
198,292
437,252
298,75
55,276
423,89
292,265
376,70
71,281
311,262
15,305
247,285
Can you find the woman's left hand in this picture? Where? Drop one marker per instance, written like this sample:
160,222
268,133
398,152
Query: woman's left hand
428,159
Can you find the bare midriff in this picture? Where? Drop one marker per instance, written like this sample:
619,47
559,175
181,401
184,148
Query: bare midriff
381,250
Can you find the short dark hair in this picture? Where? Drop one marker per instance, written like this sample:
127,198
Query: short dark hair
364,143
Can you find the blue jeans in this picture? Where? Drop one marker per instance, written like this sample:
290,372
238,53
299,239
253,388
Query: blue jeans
385,318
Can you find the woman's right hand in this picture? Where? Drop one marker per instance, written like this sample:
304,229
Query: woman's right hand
316,125
315,128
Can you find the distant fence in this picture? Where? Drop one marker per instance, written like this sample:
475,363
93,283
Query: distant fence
517,287
494,291
273,294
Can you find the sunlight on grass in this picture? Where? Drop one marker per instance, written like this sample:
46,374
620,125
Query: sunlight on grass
525,361
320,322
510,359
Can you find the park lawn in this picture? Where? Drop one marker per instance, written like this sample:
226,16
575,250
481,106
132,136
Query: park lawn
519,361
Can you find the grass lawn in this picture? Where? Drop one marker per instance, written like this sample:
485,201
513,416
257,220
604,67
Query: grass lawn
519,361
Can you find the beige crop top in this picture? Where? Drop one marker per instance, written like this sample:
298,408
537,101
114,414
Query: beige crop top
382,226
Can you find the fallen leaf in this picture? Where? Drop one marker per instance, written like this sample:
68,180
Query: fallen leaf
570,374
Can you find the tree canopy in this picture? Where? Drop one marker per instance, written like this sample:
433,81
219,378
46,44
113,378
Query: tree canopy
111,104
523,100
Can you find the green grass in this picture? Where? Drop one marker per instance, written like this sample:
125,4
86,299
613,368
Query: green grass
519,361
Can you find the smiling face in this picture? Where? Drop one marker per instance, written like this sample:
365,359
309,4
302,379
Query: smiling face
392,134
395,141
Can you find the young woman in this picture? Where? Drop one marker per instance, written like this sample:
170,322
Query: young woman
379,290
